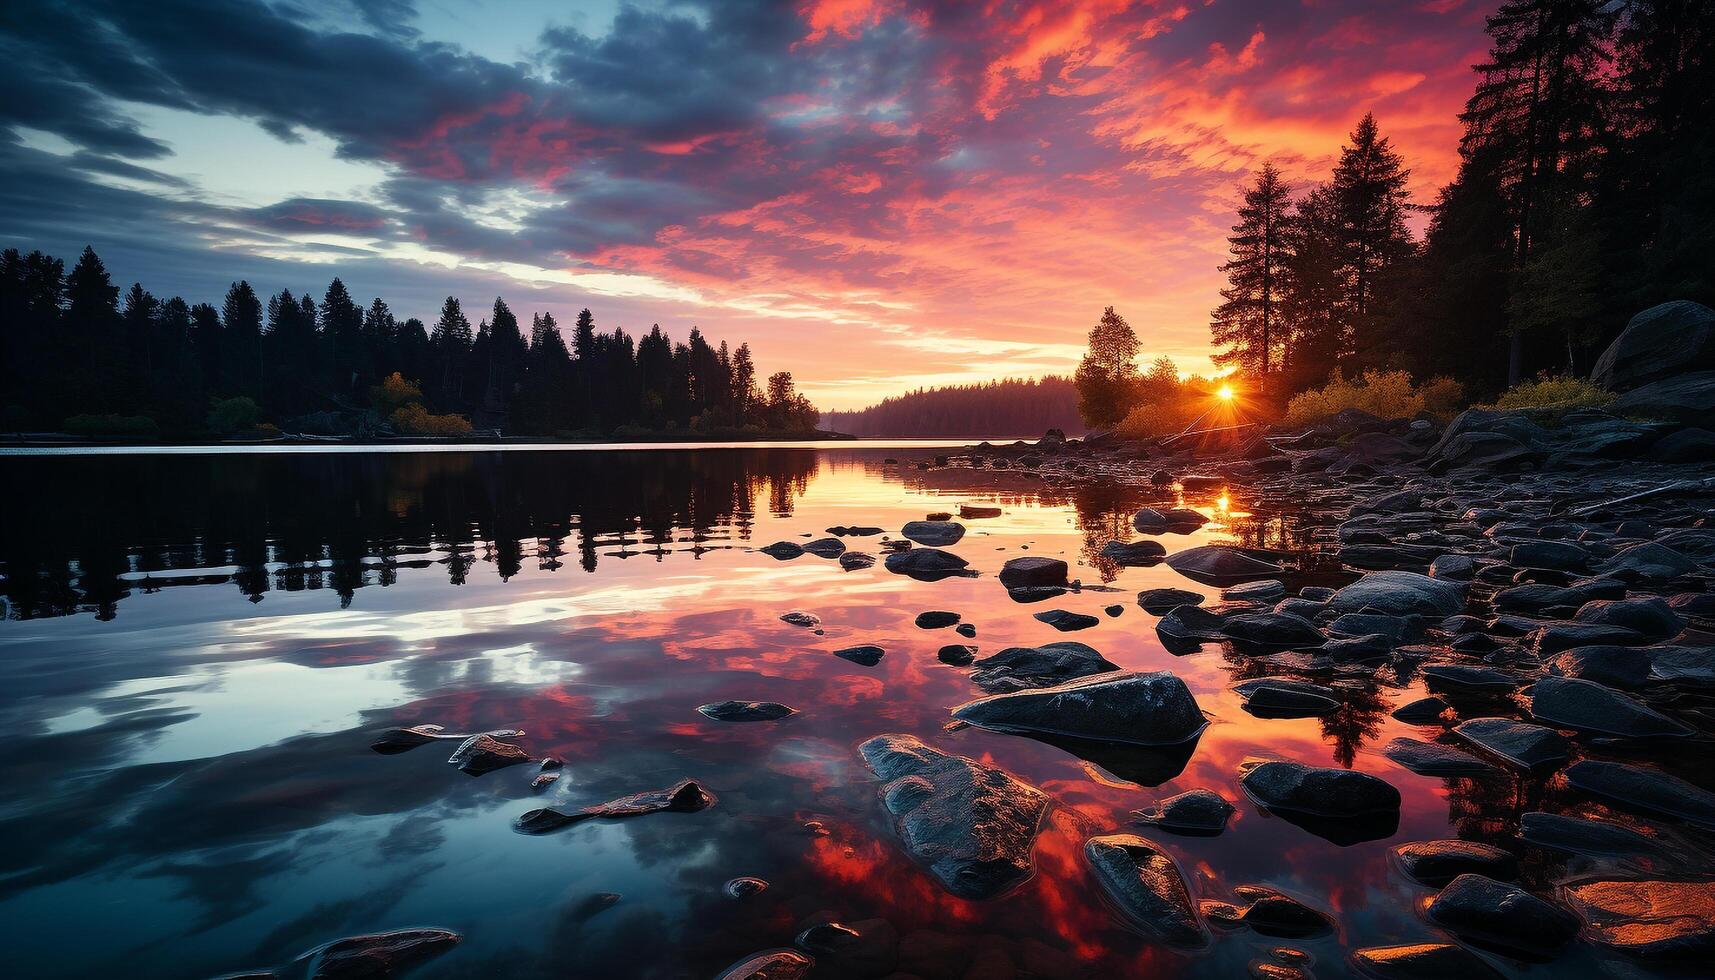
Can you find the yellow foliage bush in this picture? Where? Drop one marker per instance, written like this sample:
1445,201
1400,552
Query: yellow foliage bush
1149,421
1558,392
1384,394
415,420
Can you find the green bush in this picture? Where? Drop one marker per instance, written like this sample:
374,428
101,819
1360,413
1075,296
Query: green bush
231,415
1555,392
1384,394
1150,421
128,426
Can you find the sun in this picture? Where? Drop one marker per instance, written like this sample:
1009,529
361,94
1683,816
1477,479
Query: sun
1225,393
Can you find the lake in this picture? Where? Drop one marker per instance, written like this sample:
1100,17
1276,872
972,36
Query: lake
199,648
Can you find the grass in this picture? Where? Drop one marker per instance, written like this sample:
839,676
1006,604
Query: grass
1560,393
1384,394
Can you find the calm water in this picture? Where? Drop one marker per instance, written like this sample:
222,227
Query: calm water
198,648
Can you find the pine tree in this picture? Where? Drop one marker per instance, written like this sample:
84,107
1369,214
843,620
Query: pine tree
1247,323
1372,241
1106,373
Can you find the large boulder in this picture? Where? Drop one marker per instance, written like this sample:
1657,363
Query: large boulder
1216,564
1400,594
1587,706
1687,398
972,826
1651,616
1319,791
1502,914
1147,887
1133,707
1522,745
1018,668
1662,341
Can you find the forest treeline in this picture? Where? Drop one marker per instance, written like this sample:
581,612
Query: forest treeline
77,356
1005,408
1585,193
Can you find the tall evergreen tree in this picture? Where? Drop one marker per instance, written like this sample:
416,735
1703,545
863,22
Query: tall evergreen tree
1106,373
1247,323
241,357
1372,241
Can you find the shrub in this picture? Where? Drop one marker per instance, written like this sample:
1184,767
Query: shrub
415,420
1384,394
229,415
1442,397
1148,422
394,393
1555,392
129,426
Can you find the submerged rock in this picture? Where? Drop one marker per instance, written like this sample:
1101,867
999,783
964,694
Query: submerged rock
770,964
1502,915
1269,912
1522,745
1280,697
1423,711
1135,553
1145,884
802,620
1200,811
1666,920
482,754
1464,677
1138,708
851,561
1192,623
1017,668
866,655
1397,593
686,797
1432,759
1648,790
1436,862
970,825
1159,601
1216,564
1422,961
1596,838
826,548
745,710
1066,621
928,564
381,954
1317,791
392,741
1033,571
1149,521
1590,707
782,550
936,534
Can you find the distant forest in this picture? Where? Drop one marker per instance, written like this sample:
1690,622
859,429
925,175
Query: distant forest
1011,407
76,356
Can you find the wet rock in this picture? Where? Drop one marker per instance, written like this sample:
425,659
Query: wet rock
1183,520
1216,564
826,548
1296,787
926,564
1437,862
1536,597
1398,593
1464,677
1153,709
865,655
482,754
1114,611
1066,621
1454,568
1358,649
972,826
544,780
935,534
1658,920
770,964
1198,812
957,654
381,954
1684,446
1652,617
1397,629
1521,745
1550,640
859,531
1135,554
1432,759
686,797
1017,668
1685,666
1590,707
392,741
1596,838
936,619
1646,562
1149,521
1192,623
852,561
1422,961
966,630
1273,629
1423,711
1032,571
782,550
1279,697
1306,608
744,887
1502,915
745,710
1648,790
1663,341
1627,667
1265,590
862,948
1269,912
1558,555
1159,601
802,620
977,512
1147,887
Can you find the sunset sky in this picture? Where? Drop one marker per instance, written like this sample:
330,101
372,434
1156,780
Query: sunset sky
878,195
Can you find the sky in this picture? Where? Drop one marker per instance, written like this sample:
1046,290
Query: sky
878,195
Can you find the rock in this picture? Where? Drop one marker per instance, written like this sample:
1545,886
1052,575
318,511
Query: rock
1652,617
1684,446
957,654
1558,555
1398,593
1647,790
1032,571
1270,913
1665,340
392,741
744,887
1501,914
851,561
1183,520
1147,887
926,564
745,710
1522,745
1596,838
686,797
1159,601
1463,677
1279,697
1423,711
937,619
1133,555
1685,666
1016,668
1422,961
482,754
1436,862
1264,590
1296,787
1065,621
966,630
1432,759
976,512
1549,640
972,826
1534,597
860,531
1216,564
1666,920
1454,568
1149,521
936,534
826,548
782,550
1139,708
866,655
1273,629
594,905
770,964
1646,562
803,620
1590,707
1200,811
1627,667
381,954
